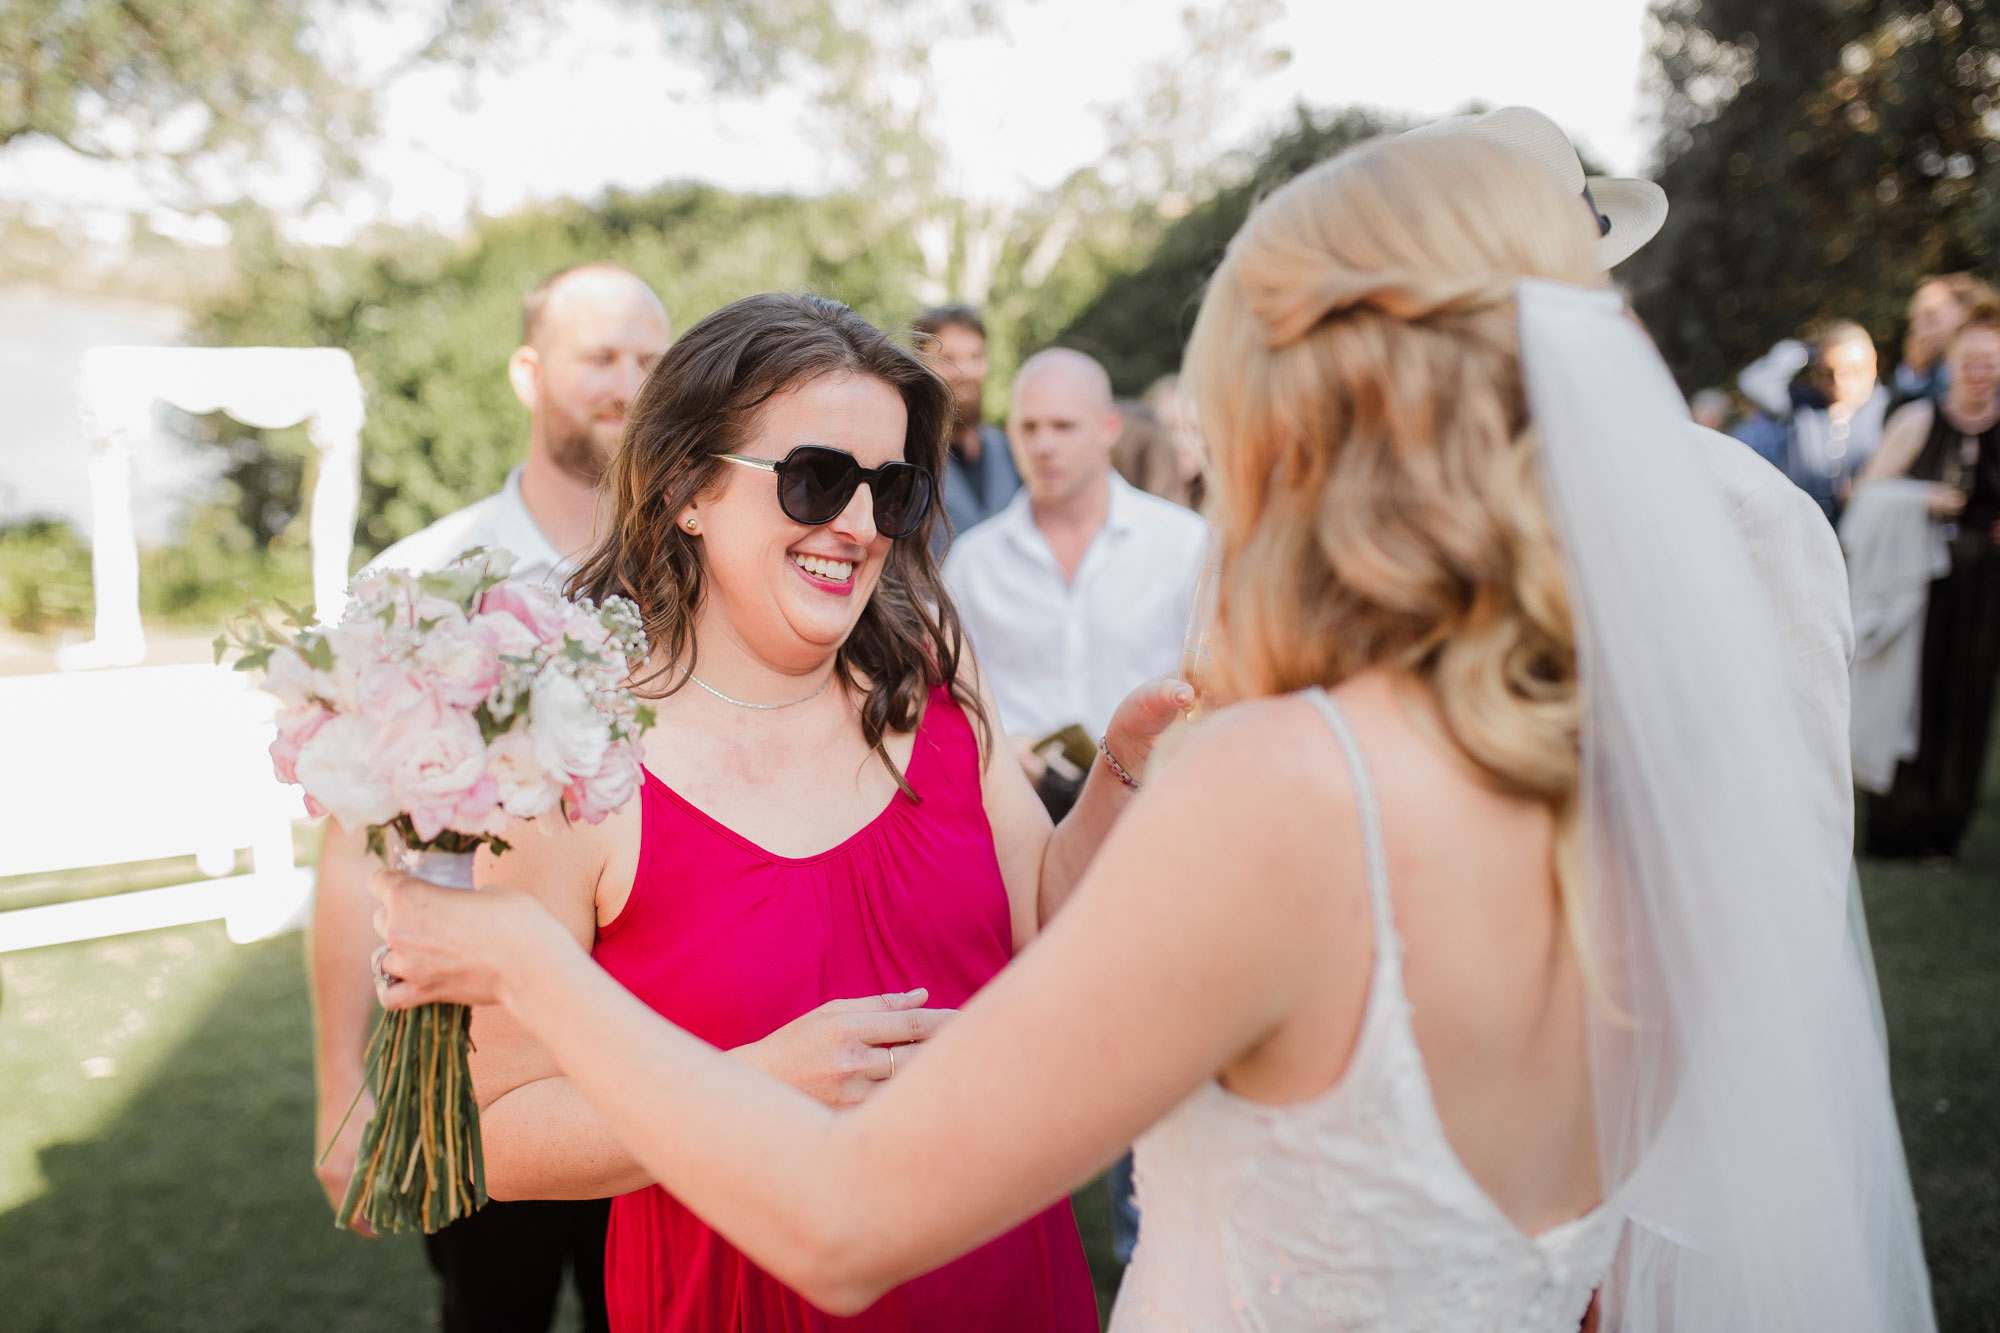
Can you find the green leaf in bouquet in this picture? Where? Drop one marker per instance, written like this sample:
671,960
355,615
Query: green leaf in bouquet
255,660
316,650
221,646
490,727
452,584
643,717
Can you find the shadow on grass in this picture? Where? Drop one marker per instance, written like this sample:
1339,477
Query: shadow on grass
195,1208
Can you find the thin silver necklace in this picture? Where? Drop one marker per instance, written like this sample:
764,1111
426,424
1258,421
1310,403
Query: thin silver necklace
741,703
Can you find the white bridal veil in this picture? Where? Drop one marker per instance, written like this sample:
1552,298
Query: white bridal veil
1743,1112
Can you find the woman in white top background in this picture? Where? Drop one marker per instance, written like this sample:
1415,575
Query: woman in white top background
1456,966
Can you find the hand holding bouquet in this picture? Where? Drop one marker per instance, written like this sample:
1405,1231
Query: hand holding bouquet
438,708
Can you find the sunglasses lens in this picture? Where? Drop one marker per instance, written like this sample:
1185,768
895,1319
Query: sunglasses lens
902,495
815,484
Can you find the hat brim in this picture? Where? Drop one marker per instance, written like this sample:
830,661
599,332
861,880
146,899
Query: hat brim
1636,209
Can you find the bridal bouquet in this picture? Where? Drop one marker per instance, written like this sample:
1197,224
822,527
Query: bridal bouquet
440,706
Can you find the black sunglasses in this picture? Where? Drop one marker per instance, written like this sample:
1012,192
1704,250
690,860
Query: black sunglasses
815,483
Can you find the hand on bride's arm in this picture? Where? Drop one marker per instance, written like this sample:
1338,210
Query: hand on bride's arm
448,945
842,1051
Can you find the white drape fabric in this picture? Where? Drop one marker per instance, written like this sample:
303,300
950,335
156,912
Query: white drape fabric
1744,1118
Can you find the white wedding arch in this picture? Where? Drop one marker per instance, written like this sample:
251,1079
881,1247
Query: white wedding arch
267,387
112,762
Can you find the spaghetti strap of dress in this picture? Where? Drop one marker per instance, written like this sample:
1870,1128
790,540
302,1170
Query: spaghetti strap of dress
1375,855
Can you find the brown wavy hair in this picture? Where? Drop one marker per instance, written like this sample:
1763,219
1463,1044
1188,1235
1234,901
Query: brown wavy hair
1377,497
703,399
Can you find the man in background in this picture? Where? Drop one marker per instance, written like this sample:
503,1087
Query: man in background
979,476
1081,588
589,335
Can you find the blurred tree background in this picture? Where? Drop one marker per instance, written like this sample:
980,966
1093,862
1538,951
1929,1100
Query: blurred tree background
1820,156
1139,322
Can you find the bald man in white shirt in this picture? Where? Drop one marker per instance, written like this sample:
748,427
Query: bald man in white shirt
1081,588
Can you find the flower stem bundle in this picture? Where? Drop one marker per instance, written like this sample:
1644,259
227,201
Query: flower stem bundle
437,712
421,1165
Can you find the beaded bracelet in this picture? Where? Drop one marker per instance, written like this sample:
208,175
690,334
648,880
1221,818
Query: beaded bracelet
1104,748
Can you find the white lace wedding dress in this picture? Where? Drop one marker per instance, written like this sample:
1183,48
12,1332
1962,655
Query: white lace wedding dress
1349,1211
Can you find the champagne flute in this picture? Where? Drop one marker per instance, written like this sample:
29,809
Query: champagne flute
1197,649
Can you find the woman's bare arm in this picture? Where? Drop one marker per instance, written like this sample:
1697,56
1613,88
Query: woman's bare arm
1183,951
1042,864
1902,440
542,1139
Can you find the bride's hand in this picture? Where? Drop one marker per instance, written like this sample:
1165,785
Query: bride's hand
842,1051
452,946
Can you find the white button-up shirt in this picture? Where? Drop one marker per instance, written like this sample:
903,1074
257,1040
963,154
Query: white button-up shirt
1056,651
500,521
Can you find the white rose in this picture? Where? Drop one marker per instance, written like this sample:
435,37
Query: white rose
288,677
341,769
526,789
570,736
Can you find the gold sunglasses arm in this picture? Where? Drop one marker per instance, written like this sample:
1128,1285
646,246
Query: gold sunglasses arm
761,464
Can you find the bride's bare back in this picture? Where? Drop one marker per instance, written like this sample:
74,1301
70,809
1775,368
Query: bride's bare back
1497,996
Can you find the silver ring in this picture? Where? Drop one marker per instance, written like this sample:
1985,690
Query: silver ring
892,1061
382,979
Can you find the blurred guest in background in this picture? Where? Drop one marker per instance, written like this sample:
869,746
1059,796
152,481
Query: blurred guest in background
1937,308
1175,411
1145,455
1953,443
1082,586
1764,433
589,335
1710,408
1833,418
979,475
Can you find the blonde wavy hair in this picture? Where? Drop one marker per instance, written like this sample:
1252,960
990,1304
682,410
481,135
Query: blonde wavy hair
1376,491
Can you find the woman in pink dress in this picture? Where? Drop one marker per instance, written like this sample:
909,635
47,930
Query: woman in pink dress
823,817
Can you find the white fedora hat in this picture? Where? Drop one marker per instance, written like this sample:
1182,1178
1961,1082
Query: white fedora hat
1629,212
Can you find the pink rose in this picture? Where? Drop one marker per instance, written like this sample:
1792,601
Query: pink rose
525,788
614,783
391,694
528,603
296,726
479,810
432,768
504,634
462,666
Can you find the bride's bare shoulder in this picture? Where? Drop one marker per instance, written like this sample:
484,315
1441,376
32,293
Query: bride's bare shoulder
1271,755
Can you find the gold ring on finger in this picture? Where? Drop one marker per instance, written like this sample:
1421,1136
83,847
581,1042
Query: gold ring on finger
892,1061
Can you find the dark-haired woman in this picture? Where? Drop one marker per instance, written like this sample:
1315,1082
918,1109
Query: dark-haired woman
823,815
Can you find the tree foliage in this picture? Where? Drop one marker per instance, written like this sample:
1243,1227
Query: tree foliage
190,93
1820,156
430,323
1138,324
115,78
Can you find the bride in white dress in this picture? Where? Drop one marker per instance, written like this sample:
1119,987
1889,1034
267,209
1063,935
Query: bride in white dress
1472,963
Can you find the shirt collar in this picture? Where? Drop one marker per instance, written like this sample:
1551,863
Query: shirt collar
1121,510
518,532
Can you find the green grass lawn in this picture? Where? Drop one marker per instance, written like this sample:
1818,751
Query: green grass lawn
156,1106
